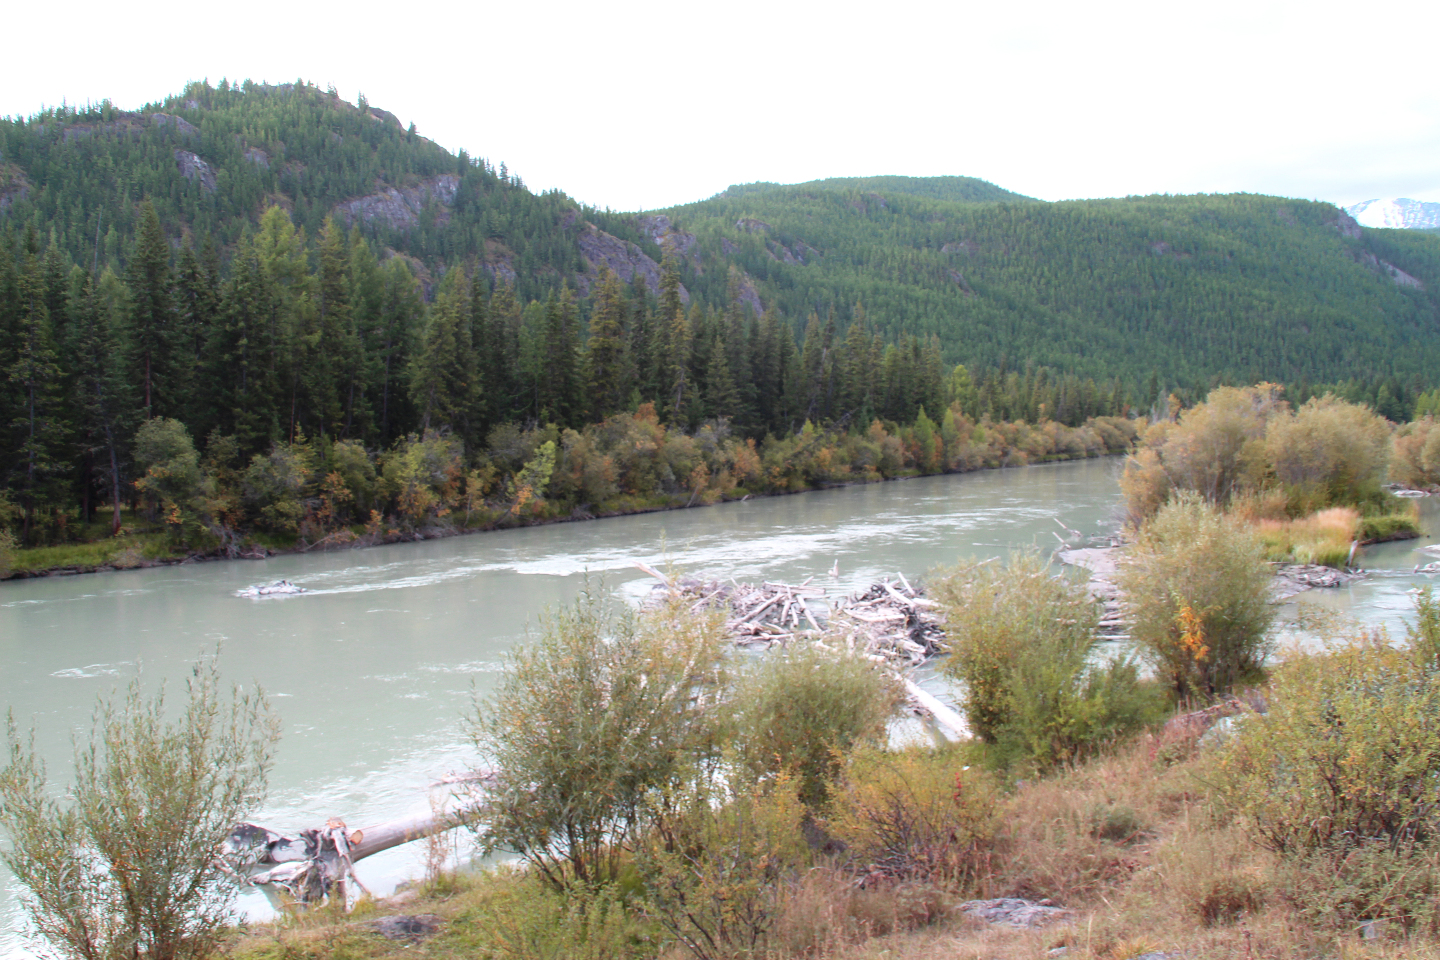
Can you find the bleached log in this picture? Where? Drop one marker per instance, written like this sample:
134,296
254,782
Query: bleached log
943,715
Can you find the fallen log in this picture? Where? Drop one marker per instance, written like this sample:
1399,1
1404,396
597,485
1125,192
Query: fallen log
317,865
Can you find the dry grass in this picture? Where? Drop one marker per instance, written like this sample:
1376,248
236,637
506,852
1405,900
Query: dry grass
1128,842
1323,537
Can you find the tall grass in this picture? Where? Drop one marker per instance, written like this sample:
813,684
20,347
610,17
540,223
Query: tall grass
1323,537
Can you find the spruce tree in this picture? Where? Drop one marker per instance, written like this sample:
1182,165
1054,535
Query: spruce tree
605,367
151,331
35,379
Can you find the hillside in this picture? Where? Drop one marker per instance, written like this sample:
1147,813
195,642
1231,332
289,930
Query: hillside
1179,291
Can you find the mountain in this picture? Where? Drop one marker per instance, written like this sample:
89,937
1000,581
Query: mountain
1174,289
1401,212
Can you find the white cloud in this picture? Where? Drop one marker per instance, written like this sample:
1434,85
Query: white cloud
645,104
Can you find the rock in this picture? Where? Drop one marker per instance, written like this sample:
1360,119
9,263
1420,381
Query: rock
193,168
185,127
407,926
1014,912
627,260
401,209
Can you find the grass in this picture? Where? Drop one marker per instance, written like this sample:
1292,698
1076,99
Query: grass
1323,537
121,552
1128,842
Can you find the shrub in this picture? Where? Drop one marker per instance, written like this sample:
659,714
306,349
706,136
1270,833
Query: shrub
1022,642
916,814
716,871
1340,779
589,720
125,865
1336,451
802,711
1198,593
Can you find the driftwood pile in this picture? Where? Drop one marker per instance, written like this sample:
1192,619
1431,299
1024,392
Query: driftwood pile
893,620
889,620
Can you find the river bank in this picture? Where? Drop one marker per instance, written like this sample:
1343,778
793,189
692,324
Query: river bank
146,549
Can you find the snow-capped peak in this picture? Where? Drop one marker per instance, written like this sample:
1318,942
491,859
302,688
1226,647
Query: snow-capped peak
1401,212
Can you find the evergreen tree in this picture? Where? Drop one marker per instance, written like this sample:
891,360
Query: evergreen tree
35,378
443,384
101,401
605,367
152,328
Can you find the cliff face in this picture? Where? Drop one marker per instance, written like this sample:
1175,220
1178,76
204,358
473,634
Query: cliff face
400,209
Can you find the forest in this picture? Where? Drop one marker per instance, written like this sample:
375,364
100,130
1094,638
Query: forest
263,309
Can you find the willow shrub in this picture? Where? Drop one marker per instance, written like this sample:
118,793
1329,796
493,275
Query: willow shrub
1197,589
917,814
1340,779
124,865
716,867
591,719
1023,643
802,710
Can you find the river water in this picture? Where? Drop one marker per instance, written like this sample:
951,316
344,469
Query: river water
373,669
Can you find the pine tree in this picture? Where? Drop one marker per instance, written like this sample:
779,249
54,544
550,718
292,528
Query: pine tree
35,378
443,384
102,404
152,324
605,366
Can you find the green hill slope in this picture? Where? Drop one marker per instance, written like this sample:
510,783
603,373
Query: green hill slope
1243,287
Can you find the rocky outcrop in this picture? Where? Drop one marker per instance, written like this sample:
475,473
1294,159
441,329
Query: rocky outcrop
750,296
679,243
400,209
193,168
1346,226
258,157
602,250
1387,269
13,186
185,127
751,225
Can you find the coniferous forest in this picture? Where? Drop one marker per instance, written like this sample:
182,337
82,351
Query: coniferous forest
257,310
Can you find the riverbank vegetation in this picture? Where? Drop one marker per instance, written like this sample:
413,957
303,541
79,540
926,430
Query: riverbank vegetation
1309,479
1154,838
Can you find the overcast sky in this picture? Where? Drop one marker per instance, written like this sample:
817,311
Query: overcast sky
636,104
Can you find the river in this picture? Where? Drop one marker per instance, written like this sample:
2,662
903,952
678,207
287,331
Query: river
373,669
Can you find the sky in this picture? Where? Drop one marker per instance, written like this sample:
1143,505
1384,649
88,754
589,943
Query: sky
636,104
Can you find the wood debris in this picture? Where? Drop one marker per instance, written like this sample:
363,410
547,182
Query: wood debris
889,620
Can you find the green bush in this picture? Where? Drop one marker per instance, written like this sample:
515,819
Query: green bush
717,868
590,720
516,916
1023,643
1340,778
125,865
1197,589
800,712
917,814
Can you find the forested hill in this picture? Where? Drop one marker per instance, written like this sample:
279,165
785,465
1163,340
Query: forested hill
1179,291
1243,287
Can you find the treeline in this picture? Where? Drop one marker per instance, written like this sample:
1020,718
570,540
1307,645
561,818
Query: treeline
310,385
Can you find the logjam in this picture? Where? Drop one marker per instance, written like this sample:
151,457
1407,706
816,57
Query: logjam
889,622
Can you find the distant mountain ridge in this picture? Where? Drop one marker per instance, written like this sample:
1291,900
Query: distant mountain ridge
1401,212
